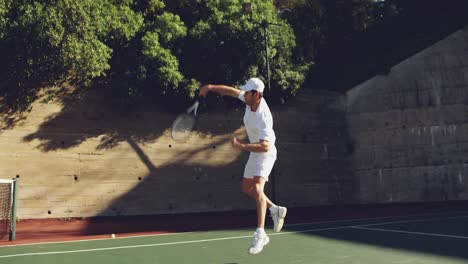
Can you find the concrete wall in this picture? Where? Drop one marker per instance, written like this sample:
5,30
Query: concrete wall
410,127
79,155
313,166
395,138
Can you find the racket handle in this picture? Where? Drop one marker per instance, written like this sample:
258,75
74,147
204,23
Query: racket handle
193,108
196,108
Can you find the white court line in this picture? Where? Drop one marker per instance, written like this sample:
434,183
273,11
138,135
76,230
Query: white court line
408,232
386,217
190,232
122,247
415,221
97,239
165,244
288,225
236,237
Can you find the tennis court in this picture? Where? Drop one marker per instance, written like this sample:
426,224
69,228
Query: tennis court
420,238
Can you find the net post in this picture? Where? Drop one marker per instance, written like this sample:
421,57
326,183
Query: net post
13,210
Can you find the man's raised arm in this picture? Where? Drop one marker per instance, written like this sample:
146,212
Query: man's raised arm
219,89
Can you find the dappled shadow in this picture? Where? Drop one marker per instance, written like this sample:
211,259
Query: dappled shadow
88,114
200,175
25,71
9,119
185,185
93,114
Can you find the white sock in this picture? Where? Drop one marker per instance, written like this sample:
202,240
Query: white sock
260,231
273,207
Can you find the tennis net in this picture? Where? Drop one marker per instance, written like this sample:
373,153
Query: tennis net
8,209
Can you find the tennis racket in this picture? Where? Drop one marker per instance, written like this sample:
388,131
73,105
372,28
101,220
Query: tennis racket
184,124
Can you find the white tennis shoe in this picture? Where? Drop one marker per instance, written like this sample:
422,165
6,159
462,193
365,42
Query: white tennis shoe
278,214
258,242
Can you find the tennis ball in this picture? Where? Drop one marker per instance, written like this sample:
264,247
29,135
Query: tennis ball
113,235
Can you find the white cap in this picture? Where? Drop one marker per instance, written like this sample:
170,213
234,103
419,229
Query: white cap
253,84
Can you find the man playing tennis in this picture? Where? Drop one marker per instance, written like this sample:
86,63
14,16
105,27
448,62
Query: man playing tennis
258,122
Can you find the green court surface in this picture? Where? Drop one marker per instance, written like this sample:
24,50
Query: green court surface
424,239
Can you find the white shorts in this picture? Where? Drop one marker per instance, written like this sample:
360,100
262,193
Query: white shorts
259,166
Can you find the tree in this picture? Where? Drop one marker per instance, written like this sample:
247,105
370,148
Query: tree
226,46
142,48
149,65
49,40
5,6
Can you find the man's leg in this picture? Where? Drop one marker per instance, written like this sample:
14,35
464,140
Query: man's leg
278,213
260,200
254,188
248,188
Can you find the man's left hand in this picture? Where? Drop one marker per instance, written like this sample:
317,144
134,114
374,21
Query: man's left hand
236,143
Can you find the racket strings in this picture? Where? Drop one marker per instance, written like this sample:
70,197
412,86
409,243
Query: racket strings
185,123
182,127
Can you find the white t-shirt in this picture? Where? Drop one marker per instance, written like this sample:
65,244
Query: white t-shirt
259,125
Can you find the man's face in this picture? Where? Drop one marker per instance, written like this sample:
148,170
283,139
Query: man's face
250,97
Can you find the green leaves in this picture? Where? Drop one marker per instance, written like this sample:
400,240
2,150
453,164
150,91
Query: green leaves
85,60
80,31
5,6
123,21
163,65
170,27
144,47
